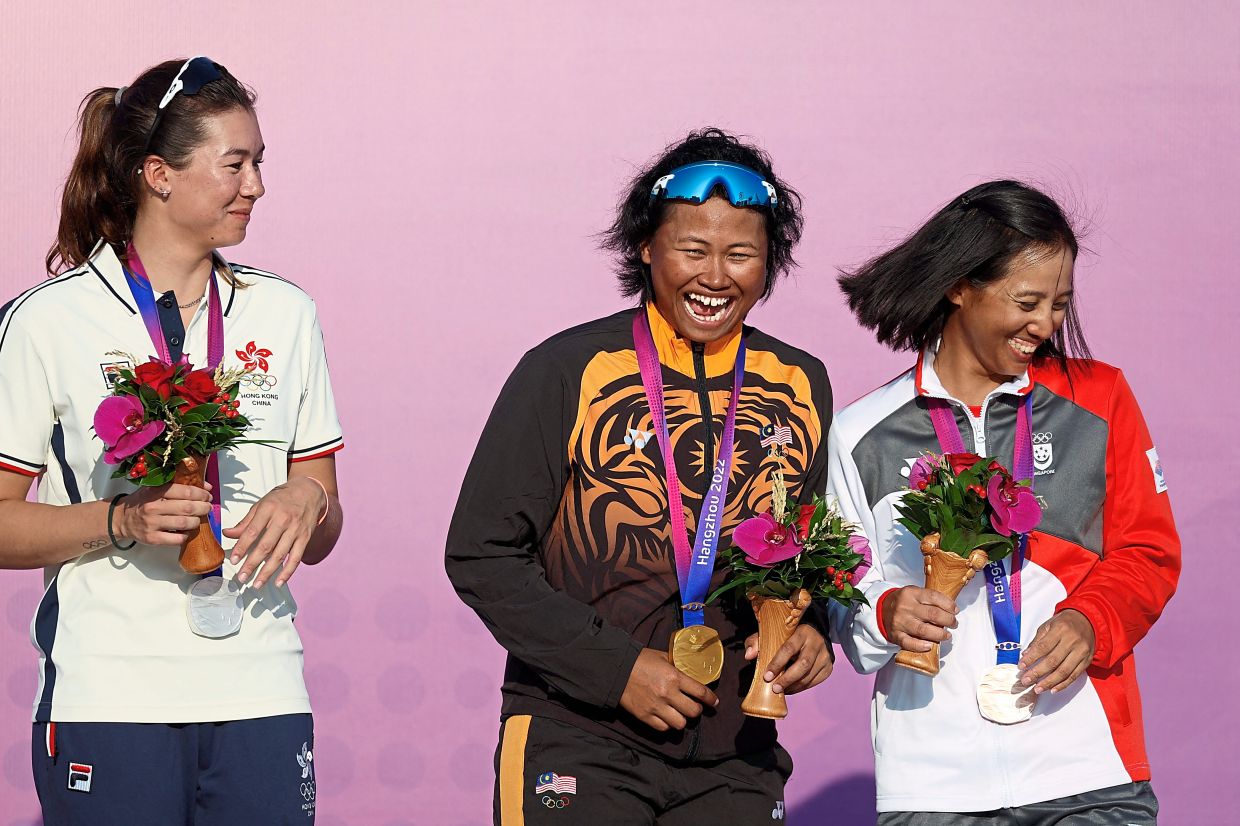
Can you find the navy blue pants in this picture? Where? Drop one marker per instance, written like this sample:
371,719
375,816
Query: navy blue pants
258,771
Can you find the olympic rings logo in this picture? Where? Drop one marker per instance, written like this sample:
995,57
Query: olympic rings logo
262,381
308,791
553,803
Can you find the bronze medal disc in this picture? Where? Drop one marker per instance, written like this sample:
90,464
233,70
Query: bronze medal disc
698,653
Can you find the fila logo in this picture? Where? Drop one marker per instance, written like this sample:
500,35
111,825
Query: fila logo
111,371
79,777
1043,453
778,812
637,438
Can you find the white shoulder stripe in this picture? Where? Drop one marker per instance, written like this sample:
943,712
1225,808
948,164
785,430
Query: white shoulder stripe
859,418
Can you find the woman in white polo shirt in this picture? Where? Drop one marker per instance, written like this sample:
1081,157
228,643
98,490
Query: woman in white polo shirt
138,718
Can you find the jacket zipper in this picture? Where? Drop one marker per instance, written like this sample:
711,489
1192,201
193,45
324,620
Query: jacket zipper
699,370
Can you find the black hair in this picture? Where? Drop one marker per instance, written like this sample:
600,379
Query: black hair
902,294
637,217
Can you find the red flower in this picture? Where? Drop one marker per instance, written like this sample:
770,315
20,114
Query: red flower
978,491
961,462
157,376
803,519
198,387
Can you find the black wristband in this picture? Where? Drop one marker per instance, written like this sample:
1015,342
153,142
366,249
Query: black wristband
111,510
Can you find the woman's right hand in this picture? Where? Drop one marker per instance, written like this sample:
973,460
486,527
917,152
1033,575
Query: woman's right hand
661,696
916,617
162,515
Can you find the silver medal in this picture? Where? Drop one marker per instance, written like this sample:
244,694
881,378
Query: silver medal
214,607
1002,699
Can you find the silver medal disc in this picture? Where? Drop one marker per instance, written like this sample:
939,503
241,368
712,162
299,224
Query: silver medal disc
214,607
1002,699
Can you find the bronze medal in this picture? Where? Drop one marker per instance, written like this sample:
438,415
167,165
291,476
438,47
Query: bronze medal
698,653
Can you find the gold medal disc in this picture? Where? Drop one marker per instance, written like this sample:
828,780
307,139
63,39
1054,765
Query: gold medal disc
698,653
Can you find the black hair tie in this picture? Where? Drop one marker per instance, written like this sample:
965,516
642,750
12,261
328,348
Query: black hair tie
111,510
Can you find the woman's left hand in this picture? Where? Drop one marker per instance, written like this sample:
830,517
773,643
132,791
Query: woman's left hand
276,530
802,662
1060,652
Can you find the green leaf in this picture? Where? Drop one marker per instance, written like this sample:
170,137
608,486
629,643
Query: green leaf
201,413
725,588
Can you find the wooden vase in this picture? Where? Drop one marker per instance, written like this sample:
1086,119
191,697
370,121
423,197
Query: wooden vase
946,573
201,553
777,619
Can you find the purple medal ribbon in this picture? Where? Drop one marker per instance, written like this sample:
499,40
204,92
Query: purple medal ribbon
144,297
694,567
1004,614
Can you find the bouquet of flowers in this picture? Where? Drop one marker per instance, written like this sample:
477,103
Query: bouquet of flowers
967,511
782,560
161,424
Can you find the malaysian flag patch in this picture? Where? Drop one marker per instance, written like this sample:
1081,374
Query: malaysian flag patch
772,435
558,783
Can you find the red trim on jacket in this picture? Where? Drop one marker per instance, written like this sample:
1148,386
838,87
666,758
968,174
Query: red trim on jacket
327,452
878,613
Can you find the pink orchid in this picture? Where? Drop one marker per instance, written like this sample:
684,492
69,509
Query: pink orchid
119,423
1016,509
765,541
859,545
922,472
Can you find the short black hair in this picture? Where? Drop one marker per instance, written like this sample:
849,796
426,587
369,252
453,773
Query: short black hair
901,294
637,218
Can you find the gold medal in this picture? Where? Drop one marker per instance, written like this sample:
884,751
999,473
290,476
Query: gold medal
698,653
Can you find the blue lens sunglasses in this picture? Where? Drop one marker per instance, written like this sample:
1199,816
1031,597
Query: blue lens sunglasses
696,182
194,74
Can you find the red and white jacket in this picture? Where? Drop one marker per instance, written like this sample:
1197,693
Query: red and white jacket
1106,546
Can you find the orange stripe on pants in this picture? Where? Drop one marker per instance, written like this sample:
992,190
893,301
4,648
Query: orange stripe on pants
512,771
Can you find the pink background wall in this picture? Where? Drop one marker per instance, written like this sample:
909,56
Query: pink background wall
435,175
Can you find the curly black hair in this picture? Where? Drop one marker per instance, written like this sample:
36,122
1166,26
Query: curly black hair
637,218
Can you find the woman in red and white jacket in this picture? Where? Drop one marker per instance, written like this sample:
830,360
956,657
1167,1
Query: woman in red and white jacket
983,293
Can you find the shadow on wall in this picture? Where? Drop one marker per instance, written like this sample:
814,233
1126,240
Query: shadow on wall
848,801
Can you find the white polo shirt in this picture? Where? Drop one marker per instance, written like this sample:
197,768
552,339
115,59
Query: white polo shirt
111,631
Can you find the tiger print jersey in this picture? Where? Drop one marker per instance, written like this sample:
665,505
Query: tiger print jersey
560,540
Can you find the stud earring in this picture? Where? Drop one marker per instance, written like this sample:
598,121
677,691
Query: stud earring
164,193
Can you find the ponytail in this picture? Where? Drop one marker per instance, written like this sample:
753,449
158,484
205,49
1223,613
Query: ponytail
100,199
94,205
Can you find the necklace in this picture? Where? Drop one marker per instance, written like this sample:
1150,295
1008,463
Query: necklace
187,305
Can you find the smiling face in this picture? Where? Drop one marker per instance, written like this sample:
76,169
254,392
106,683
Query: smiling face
996,329
211,198
708,267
